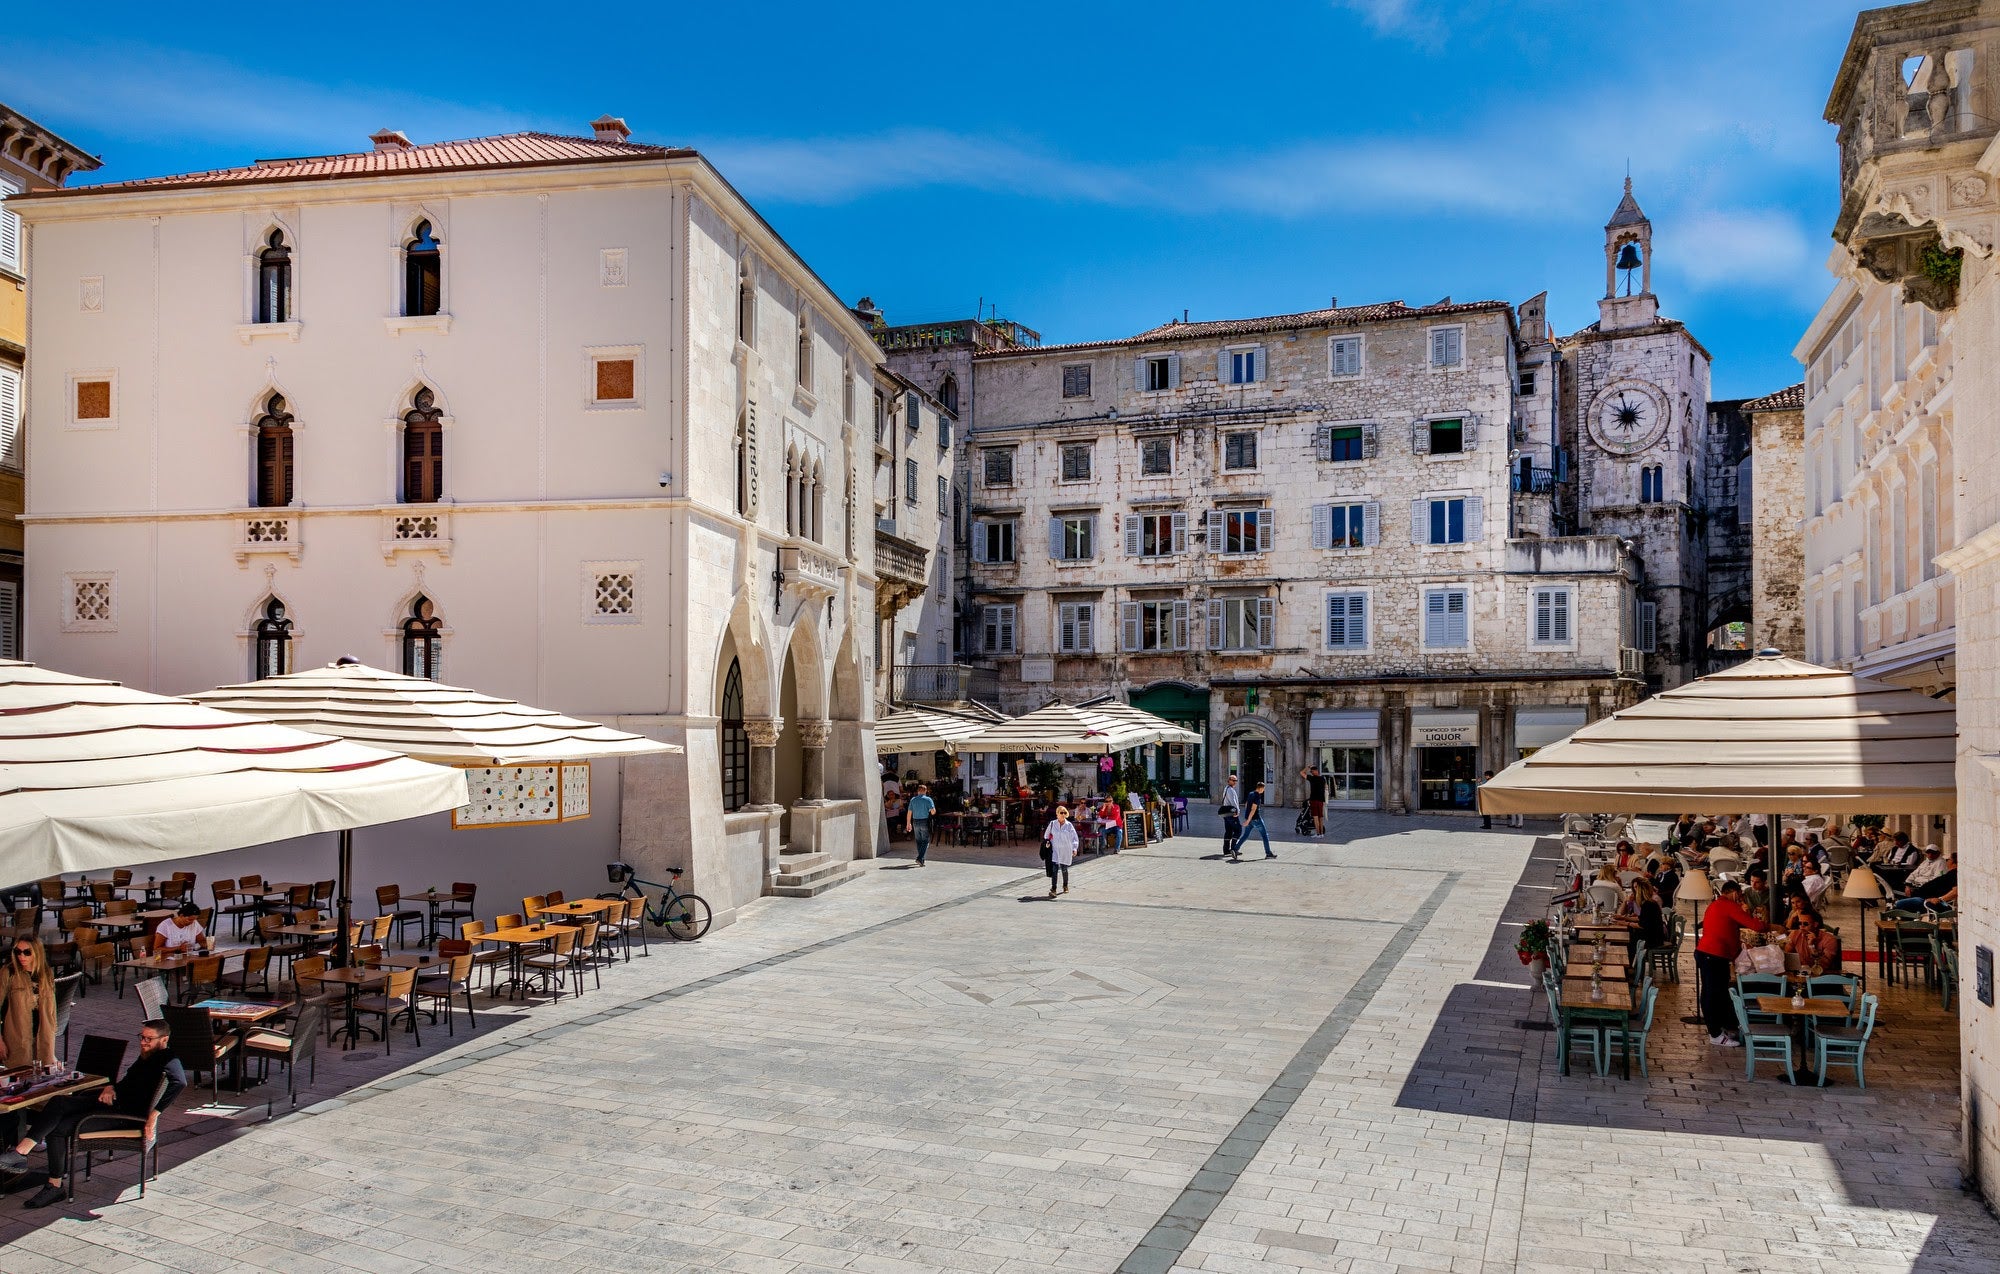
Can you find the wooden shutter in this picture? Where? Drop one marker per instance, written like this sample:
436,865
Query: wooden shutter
1128,624
1056,538
10,620
1559,615
1336,620
1180,534
10,417
1215,624
1544,614
10,230
1257,364
423,462
1267,622
1225,366
274,467
1323,442
1369,441
1139,376
1322,526
1173,371
1371,523
1420,437
1468,434
1357,619
1264,525
1180,625
1132,541
1090,533
1086,623
1455,617
979,542
1420,521
1649,626
1475,511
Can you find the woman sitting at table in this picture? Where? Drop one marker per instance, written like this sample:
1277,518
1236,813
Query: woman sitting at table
1817,950
1643,916
182,933
27,1005
1625,862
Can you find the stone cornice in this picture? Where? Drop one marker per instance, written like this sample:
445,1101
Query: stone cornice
1975,551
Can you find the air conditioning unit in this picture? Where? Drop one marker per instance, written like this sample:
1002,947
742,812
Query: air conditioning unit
1520,430
1631,662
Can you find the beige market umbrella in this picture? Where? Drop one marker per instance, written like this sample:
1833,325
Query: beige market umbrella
923,730
1170,733
1062,727
94,775
1771,734
422,718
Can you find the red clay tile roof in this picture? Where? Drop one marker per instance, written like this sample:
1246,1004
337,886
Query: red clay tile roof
1349,315
1791,399
510,150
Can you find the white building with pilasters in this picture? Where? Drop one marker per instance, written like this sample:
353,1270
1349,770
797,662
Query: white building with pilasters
559,418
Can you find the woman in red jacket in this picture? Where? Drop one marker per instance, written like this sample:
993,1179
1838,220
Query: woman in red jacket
1721,939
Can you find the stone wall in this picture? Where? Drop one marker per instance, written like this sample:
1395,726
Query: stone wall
1777,568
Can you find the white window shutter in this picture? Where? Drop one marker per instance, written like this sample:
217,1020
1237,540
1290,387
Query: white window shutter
1434,618
1180,626
1090,525
1055,537
1544,614
1267,622
1215,623
1322,526
1475,511
1225,366
1139,376
1420,521
1065,626
10,417
1265,522
1007,630
1357,619
1128,624
1336,620
1455,628
1371,523
1257,364
1559,615
1180,533
1438,347
1420,437
1368,441
1323,442
1173,371
10,230
979,541
1131,535
1468,433
1086,623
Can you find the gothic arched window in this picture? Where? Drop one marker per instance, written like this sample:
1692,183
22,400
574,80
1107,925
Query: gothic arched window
423,272
271,641
423,450
735,742
423,640
274,280
274,454
948,393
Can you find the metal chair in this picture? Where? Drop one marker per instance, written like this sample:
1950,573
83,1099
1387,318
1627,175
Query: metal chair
300,1044
102,1132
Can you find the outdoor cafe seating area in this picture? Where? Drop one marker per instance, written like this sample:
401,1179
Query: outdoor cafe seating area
1804,1011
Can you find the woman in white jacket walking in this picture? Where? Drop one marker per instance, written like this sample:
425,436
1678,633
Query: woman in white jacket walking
1061,840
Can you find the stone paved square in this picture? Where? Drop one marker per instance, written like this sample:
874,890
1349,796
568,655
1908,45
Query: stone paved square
1312,1063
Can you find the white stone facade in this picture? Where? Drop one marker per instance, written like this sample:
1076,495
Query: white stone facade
654,465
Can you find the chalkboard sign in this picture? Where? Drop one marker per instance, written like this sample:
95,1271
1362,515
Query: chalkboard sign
1982,966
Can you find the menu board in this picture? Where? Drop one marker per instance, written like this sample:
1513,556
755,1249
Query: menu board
522,795
575,790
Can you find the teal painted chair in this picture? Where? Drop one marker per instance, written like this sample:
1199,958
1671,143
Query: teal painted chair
1631,1037
1846,1045
1761,1041
1946,957
1755,984
1587,1039
1844,987
1667,960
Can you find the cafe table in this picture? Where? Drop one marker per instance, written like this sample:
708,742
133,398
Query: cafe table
241,1014
354,979
173,963
39,1095
1782,1007
520,937
412,960
433,898
1580,1010
577,909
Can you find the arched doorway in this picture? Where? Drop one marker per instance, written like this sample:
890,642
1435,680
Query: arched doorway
790,770
1252,751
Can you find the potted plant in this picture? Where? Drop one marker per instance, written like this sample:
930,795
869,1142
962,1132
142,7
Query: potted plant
1533,948
1045,777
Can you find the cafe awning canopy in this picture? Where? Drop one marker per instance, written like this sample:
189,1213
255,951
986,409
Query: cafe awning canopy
1169,732
425,719
1770,735
94,775
923,730
1062,727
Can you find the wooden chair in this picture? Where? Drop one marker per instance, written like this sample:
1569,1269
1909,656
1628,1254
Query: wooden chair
204,977
100,894
389,902
297,899
307,989
553,964
281,946
611,932
532,905
555,898
299,1044
54,894
175,892
378,929
227,905
584,956
368,955
492,959
196,1044
256,970
397,1000
323,895
121,879
453,912
510,921
438,988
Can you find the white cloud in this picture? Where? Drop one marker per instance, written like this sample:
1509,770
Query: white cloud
1736,250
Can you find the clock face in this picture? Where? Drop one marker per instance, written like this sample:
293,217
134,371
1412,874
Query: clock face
1627,418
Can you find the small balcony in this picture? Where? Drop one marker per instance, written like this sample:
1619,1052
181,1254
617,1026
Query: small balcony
946,683
1567,555
808,568
268,531
416,527
1534,481
902,571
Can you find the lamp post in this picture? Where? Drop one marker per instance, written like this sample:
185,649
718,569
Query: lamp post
1864,887
1698,889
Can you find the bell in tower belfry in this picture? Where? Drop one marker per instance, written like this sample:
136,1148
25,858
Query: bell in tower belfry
1628,247
1628,261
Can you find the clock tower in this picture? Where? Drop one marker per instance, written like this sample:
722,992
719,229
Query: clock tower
1635,408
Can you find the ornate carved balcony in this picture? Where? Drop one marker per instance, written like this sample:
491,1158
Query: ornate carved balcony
267,531
902,572
809,568
416,527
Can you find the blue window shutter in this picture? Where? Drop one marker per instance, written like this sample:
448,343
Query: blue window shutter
1215,624
1257,367
1371,523
1323,526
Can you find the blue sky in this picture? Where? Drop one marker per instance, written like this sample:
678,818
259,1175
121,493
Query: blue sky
1091,168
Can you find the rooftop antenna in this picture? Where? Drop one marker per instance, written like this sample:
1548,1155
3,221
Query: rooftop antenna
1184,314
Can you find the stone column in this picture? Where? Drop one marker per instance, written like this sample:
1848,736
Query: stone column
1396,752
764,732
1595,712
812,737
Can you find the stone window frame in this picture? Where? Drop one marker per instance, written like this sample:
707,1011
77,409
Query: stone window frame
1070,376
85,376
1333,344
1535,593
1173,620
1066,449
993,620
1060,537
986,457
1430,347
1227,363
1079,613
591,575
1255,446
74,585
595,354
1367,642
1424,594
979,535
1146,441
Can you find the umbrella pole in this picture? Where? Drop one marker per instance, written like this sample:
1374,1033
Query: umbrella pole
1777,822
341,949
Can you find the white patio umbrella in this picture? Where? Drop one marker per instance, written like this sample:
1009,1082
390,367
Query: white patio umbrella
1770,734
1062,727
1121,711
95,775
923,730
422,718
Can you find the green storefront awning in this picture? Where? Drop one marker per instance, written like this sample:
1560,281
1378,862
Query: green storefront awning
1175,703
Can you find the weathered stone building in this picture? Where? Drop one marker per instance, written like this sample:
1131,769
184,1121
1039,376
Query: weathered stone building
1903,381
1726,523
1296,534
1776,500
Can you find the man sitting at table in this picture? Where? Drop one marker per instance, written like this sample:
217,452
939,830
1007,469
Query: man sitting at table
1111,821
1894,859
182,932
132,1095
1818,950
1930,887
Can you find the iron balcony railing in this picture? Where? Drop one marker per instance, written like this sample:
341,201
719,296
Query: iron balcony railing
946,683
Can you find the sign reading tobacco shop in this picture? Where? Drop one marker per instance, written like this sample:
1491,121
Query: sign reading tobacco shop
1445,736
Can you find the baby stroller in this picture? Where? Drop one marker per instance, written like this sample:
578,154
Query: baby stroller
1304,825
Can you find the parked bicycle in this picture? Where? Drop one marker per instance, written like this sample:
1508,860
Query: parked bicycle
685,917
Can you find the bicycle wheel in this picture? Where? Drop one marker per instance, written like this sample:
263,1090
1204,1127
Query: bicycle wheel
687,917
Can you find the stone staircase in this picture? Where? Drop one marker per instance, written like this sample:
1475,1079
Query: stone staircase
808,875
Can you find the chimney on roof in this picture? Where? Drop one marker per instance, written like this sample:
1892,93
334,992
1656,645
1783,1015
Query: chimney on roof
389,139
609,128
